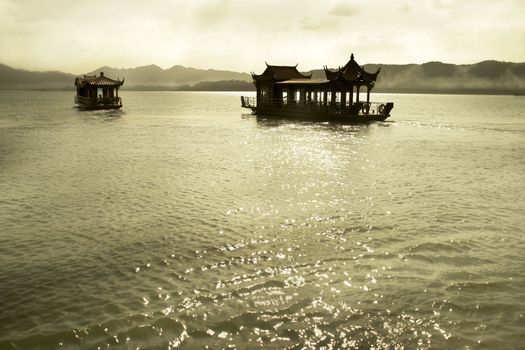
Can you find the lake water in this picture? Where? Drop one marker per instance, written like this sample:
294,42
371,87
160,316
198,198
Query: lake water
182,221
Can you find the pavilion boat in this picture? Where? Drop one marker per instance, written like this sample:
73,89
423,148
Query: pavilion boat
97,92
282,91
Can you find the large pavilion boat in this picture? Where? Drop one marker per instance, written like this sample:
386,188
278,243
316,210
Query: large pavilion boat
282,91
97,92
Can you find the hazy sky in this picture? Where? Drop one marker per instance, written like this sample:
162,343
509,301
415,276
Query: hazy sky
78,36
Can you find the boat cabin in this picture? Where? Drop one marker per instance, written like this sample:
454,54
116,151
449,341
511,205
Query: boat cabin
98,92
283,90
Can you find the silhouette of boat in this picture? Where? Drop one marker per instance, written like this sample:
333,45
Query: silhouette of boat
97,92
282,91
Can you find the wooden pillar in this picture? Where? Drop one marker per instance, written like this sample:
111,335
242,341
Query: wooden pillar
325,96
351,95
368,94
343,97
332,99
357,94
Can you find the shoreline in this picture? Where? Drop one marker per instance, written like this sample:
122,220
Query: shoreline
488,92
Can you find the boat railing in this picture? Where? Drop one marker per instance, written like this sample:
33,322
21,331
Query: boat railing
98,101
248,102
362,108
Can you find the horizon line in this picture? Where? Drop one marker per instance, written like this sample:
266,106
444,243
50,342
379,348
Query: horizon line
229,70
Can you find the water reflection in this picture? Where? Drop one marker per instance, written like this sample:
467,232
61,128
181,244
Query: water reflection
110,115
182,225
338,126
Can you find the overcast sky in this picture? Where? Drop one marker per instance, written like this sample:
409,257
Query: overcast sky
78,36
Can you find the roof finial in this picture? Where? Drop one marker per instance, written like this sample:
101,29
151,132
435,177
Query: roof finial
352,57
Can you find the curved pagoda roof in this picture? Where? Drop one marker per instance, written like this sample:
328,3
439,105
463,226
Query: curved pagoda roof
352,72
97,81
280,73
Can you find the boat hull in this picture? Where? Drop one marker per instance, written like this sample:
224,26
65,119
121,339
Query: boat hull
84,103
360,112
318,116
91,108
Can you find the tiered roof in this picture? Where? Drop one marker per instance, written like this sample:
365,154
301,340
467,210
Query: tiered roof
280,73
289,75
352,72
97,81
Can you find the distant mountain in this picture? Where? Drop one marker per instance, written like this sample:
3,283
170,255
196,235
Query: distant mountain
11,78
483,77
175,76
221,85
489,77
145,76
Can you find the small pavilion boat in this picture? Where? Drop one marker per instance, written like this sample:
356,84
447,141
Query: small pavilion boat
97,92
282,91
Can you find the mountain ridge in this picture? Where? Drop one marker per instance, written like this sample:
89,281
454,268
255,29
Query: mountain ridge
489,76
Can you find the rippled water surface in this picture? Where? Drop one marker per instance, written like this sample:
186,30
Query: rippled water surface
181,221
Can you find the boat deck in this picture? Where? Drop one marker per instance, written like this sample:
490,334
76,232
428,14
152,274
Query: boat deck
98,102
359,111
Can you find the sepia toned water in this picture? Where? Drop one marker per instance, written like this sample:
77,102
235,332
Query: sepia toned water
182,221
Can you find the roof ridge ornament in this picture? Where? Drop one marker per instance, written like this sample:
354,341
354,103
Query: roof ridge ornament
352,57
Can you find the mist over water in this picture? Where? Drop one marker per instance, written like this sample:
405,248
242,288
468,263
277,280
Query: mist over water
181,221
